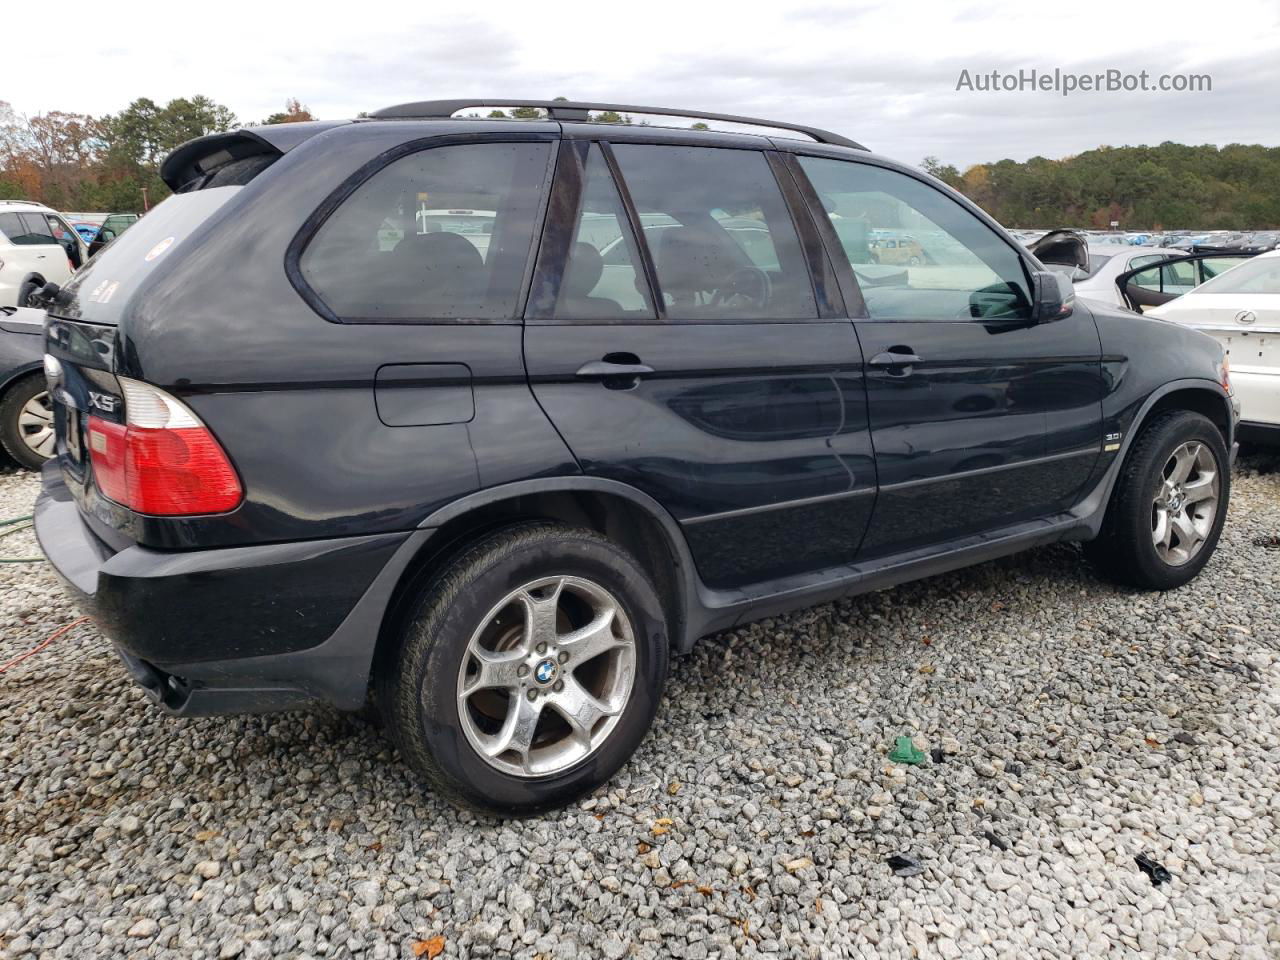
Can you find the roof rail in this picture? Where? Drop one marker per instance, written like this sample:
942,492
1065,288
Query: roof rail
580,110
34,203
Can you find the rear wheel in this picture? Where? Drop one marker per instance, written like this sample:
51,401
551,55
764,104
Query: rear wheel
26,422
1169,504
530,670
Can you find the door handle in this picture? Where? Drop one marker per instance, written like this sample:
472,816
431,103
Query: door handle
604,369
893,358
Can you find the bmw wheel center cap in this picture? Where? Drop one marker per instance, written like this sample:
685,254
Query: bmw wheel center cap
545,671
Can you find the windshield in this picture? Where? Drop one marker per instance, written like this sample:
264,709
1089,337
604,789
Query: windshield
110,279
1261,275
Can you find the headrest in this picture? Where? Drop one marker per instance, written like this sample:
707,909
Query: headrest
585,269
440,251
691,261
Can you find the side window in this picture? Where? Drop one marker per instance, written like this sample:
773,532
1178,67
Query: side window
721,238
1148,279
25,229
61,232
1143,261
917,254
38,228
602,278
1178,277
441,234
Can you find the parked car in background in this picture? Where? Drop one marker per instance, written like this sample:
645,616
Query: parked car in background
1106,262
1240,308
26,415
37,246
112,227
1149,283
500,490
901,251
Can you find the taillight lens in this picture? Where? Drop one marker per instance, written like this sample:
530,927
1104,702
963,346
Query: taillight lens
1226,374
162,460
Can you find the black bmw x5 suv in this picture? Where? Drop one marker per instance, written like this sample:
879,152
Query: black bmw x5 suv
484,419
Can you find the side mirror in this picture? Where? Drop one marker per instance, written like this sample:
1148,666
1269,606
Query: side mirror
1052,296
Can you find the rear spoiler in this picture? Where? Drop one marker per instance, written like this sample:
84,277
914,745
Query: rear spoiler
202,156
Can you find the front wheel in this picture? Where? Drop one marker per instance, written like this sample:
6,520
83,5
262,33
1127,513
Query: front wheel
29,292
529,671
1169,504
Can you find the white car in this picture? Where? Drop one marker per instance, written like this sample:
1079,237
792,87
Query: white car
37,246
1241,308
1108,261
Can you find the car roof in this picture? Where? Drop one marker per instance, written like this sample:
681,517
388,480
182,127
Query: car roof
24,206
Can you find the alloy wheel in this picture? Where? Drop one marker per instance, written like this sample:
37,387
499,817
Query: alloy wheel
1185,504
546,676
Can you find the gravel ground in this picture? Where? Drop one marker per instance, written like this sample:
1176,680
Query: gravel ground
1067,725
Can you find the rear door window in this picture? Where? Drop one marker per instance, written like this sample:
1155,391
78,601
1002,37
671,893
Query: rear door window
602,277
443,234
26,229
718,230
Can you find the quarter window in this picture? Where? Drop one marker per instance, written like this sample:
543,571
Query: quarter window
441,234
917,254
722,242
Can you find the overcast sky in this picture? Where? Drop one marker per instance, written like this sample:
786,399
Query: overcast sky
883,73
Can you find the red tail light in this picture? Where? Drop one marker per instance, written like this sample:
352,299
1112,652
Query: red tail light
162,460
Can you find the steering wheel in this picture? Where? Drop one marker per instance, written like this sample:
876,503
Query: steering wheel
746,286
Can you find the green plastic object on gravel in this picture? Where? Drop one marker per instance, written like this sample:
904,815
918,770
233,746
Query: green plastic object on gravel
11,523
906,752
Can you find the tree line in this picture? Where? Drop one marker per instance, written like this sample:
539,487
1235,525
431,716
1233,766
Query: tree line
1167,187
73,161
111,163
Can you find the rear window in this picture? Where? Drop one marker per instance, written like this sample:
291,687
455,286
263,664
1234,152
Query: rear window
1253,276
1097,261
114,274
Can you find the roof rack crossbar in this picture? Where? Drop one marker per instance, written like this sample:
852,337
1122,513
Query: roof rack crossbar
581,109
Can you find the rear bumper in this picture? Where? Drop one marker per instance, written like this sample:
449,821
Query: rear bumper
1258,394
233,630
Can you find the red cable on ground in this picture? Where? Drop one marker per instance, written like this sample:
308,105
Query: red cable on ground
36,649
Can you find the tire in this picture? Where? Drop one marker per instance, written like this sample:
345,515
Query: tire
1126,549
466,610
17,405
29,288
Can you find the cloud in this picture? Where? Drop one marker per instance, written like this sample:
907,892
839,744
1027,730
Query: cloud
884,73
